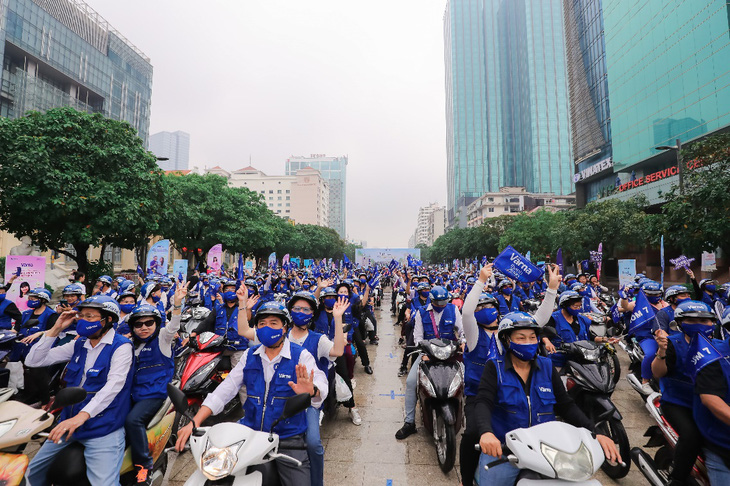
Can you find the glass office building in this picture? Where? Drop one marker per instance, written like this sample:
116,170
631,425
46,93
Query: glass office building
62,53
668,74
334,171
507,113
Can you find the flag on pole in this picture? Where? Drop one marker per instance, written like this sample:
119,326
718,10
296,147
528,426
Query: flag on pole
643,313
239,269
661,257
559,260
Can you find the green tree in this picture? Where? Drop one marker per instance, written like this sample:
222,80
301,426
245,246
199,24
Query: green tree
350,250
79,179
697,217
539,233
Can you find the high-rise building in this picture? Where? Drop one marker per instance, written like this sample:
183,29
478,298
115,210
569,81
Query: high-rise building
174,146
430,225
506,100
334,171
62,53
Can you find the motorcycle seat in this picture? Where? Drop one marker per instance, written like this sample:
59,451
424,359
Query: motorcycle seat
160,414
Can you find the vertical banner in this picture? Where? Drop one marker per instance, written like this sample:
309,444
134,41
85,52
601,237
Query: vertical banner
709,262
600,261
30,272
180,267
215,254
249,265
272,260
559,260
661,258
626,271
158,258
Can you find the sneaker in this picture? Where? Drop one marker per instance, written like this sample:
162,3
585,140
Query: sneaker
647,389
355,416
369,370
354,383
402,372
374,341
143,478
407,429
321,417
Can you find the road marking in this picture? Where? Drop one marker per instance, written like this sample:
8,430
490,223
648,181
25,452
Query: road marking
391,356
389,482
392,394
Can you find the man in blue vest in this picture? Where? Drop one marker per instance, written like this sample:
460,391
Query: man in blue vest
277,368
106,286
438,319
100,361
9,312
519,389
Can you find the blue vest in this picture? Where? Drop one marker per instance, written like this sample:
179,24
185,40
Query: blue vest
587,304
474,362
122,326
153,371
6,322
112,418
512,410
713,429
21,350
229,328
161,307
311,344
323,326
567,335
678,386
265,403
505,308
445,325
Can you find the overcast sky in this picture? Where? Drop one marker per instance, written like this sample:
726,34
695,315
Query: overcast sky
267,79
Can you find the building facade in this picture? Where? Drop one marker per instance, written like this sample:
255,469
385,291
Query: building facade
507,118
334,171
174,146
62,53
514,200
431,224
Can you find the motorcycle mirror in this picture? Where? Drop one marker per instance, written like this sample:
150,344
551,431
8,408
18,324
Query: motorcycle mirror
293,406
178,399
549,332
69,396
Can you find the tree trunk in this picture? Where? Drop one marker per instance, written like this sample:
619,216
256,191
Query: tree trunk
141,253
82,257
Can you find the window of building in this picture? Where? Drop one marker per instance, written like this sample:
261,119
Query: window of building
287,205
287,191
490,199
491,210
279,205
287,211
271,191
287,198
279,191
279,198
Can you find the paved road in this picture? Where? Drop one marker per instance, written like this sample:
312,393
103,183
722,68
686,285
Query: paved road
370,455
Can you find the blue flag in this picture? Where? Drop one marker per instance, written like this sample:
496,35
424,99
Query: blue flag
493,348
140,272
514,265
701,353
239,269
346,261
393,264
643,314
559,260
615,314
527,255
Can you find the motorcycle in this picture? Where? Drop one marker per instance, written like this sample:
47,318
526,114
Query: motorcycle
663,435
234,451
193,314
590,375
440,393
69,466
636,355
19,424
554,453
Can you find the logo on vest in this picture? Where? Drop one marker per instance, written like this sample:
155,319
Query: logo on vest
284,376
545,389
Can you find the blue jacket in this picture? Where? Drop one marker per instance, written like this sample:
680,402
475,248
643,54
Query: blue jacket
445,325
112,418
6,322
512,410
325,324
505,307
311,344
678,387
229,328
21,350
153,371
713,429
567,335
265,402
474,362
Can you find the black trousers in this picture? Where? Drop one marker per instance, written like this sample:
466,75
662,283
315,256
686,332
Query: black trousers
690,439
357,339
468,456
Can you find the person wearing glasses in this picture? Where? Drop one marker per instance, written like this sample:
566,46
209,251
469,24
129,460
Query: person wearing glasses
154,367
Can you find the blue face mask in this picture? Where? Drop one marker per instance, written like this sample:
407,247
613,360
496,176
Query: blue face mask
34,304
573,312
525,352
679,301
692,330
88,328
654,299
507,290
329,302
486,316
229,296
156,298
305,287
127,308
711,288
268,336
301,319
2,297
363,280
424,293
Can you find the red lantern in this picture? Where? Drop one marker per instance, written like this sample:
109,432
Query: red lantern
185,248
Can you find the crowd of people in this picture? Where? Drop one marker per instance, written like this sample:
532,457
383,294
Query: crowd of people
296,331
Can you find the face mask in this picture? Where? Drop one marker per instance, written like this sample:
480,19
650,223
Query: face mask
525,352
126,308
711,288
363,280
423,293
88,328
573,312
329,302
301,319
305,287
507,291
486,316
156,298
206,284
34,304
679,301
438,308
2,297
229,296
654,299
692,330
268,336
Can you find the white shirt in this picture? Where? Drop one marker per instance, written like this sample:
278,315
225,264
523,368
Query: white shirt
42,354
324,346
217,400
418,325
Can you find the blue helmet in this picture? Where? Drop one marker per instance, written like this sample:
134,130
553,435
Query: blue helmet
439,296
303,295
105,279
148,289
514,321
126,286
328,292
273,308
569,297
41,294
577,287
144,310
423,286
693,308
674,291
73,289
486,298
653,288
105,304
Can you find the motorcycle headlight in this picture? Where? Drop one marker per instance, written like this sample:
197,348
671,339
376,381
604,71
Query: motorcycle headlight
577,466
426,383
218,463
199,376
456,383
7,426
591,354
442,353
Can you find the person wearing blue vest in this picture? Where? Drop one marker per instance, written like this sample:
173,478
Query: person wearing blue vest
154,367
520,389
352,317
673,367
100,361
439,319
106,287
270,371
569,325
674,295
127,300
9,312
708,289
508,301
151,293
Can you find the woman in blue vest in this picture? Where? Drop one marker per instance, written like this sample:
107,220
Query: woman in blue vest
151,293
100,361
8,310
275,369
154,367
352,317
520,389
508,301
569,325
673,367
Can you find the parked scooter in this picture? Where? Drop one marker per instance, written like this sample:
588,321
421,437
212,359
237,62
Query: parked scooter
552,453
193,314
440,393
663,435
234,451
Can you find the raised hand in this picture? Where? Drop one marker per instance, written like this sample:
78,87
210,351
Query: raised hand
485,273
341,306
242,294
305,381
554,277
181,291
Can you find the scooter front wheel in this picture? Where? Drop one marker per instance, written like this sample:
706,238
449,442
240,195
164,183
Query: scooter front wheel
181,420
615,430
445,438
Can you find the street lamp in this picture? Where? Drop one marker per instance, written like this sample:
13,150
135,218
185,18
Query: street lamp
678,148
